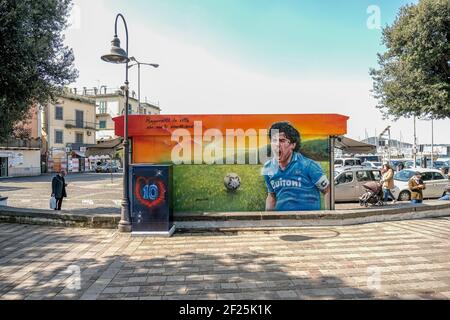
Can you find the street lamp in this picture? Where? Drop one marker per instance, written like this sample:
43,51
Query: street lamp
154,65
119,56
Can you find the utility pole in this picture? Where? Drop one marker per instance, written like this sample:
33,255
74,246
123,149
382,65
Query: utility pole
415,144
388,130
432,143
401,143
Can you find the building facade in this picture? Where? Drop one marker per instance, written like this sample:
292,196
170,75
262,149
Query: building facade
110,103
69,127
20,154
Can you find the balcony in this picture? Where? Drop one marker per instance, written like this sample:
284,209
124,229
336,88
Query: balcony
75,124
12,143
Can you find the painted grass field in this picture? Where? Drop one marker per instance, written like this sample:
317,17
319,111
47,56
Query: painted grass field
200,188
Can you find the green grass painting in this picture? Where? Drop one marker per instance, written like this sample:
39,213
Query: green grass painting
200,188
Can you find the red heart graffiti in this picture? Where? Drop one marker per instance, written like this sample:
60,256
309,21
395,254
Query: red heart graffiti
140,183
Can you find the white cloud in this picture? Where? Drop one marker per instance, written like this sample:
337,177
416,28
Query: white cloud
191,80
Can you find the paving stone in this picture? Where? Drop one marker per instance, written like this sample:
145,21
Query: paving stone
129,289
412,257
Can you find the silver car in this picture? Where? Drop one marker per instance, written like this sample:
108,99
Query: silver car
349,182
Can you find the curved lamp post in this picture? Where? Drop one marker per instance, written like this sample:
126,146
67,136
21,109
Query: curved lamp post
119,56
154,65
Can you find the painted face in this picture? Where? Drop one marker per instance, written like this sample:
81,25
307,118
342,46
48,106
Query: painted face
282,148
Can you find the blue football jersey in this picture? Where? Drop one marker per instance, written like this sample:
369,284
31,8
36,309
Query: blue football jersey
298,186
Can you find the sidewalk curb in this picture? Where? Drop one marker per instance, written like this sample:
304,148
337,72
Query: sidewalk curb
62,218
242,221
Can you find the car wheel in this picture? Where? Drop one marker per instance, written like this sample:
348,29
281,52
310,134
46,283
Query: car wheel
404,196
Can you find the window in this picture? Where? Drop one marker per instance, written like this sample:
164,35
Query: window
102,124
79,118
403,175
58,113
438,176
59,136
338,162
78,138
427,176
376,175
130,109
345,177
102,107
363,176
352,162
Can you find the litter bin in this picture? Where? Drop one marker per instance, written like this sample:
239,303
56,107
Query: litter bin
151,200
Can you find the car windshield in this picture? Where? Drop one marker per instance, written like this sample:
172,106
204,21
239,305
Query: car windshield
377,164
404,175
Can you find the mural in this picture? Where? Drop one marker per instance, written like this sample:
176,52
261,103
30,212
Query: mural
240,162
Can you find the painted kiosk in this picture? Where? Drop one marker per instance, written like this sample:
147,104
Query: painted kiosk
229,163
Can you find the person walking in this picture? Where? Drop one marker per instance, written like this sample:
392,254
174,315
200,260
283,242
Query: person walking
388,183
59,188
416,186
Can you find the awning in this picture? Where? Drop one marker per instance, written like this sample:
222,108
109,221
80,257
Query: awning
79,153
352,146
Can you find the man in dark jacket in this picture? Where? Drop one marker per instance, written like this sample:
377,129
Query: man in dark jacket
59,188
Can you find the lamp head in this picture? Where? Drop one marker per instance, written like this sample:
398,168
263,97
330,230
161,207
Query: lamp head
117,54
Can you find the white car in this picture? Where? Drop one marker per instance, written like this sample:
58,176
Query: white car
348,182
372,165
344,162
435,183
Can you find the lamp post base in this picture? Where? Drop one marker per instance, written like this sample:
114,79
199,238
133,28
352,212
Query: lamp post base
124,227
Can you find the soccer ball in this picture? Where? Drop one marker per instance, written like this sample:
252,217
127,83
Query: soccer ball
232,181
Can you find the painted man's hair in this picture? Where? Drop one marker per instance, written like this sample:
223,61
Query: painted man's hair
289,131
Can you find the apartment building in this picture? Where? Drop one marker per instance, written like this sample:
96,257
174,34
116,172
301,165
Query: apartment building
69,128
110,103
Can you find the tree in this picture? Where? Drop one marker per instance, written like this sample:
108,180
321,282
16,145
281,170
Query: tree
414,74
35,63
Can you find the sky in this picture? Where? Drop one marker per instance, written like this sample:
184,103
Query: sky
247,56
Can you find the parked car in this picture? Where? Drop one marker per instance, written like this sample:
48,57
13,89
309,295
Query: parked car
436,164
410,164
342,162
372,164
349,182
107,167
435,183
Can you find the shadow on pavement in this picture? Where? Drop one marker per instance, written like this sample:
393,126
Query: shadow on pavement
182,275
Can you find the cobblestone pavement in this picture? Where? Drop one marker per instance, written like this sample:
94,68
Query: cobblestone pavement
390,260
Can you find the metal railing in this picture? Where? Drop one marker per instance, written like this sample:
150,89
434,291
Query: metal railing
81,125
21,143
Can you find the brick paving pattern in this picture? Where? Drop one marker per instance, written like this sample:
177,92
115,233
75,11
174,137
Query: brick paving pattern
390,260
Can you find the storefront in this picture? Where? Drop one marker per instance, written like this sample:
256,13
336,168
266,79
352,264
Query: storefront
20,163
226,163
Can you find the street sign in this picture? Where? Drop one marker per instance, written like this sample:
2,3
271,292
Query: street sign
68,149
82,149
